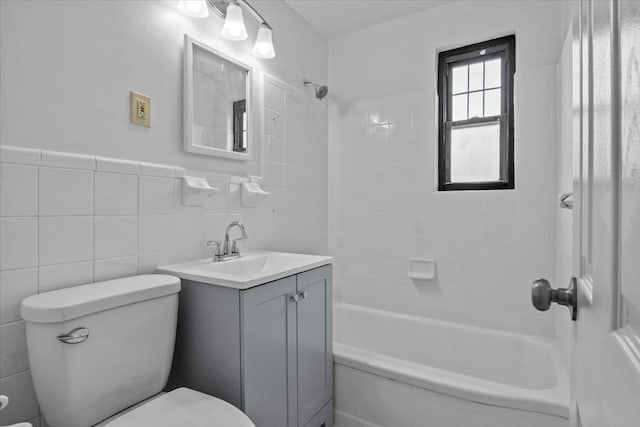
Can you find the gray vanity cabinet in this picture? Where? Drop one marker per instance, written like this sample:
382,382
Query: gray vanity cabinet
315,343
269,362
266,350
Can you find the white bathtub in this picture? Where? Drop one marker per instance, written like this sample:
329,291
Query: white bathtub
393,370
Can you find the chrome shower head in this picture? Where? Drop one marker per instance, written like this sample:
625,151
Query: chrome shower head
321,91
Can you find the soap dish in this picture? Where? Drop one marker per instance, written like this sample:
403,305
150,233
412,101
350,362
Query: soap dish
422,268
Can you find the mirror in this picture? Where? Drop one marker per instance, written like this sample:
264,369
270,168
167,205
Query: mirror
216,103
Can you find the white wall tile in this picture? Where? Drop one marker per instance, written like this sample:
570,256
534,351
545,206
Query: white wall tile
61,276
116,236
190,231
273,96
294,104
65,192
274,123
16,285
23,156
13,349
68,160
155,195
392,188
104,164
18,190
148,263
116,194
292,130
190,254
152,169
115,268
24,404
274,149
65,239
19,243
156,233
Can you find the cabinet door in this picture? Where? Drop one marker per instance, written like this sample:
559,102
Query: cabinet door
315,342
269,353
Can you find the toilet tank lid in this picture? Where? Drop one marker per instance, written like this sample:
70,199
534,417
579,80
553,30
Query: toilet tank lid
69,303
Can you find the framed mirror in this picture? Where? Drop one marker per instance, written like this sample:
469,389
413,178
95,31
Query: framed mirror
217,103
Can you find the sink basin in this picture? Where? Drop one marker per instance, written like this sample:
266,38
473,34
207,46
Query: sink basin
252,269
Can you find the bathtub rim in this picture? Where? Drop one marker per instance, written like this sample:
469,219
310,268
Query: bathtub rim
551,401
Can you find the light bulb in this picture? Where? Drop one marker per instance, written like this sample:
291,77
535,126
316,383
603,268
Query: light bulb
234,28
194,8
264,43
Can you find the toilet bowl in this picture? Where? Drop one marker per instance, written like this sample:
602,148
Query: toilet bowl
4,402
181,407
100,355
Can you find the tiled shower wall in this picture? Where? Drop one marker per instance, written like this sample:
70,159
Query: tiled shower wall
384,209
68,219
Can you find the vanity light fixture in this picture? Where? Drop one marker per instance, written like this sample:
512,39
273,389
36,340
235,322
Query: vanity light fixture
233,28
194,8
264,42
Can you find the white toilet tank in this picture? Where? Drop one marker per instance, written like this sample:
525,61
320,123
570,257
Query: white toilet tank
124,331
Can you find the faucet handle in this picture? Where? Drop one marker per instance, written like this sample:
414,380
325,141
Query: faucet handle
216,245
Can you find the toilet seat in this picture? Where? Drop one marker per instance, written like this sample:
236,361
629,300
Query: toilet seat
182,407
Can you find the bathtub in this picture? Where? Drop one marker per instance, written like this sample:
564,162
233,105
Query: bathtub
394,370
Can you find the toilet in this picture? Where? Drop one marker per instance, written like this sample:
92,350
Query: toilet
100,355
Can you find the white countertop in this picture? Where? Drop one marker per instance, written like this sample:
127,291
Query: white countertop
251,269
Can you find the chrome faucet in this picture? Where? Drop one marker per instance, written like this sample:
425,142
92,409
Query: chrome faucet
228,249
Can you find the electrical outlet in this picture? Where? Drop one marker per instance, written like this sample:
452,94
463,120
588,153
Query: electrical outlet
140,110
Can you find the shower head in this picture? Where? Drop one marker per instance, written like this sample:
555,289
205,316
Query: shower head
321,91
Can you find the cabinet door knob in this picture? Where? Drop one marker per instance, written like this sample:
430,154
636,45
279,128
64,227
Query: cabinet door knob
294,298
303,294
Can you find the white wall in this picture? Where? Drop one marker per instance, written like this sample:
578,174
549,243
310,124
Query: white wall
383,207
66,72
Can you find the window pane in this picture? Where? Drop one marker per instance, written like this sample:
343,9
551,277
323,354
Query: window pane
492,71
492,103
459,107
475,104
475,153
460,76
475,76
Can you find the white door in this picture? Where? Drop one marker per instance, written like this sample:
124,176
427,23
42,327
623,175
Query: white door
606,337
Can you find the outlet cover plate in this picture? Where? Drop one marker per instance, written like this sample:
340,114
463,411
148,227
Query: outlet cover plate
140,110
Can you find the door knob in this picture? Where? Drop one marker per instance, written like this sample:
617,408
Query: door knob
542,296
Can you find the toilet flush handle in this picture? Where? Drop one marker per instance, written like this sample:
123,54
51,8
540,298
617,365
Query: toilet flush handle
75,336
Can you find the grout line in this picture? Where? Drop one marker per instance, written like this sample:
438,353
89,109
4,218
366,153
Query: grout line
38,229
93,255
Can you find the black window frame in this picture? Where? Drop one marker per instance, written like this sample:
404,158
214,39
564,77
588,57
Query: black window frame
504,47
239,108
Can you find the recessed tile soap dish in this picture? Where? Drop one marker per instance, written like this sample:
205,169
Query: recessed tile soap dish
422,268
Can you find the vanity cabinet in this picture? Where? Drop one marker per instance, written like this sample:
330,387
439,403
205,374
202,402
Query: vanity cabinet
266,350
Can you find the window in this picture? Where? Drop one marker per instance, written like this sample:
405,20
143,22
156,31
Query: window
240,126
475,90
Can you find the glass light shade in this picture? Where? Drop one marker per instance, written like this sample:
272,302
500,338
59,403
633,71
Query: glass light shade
234,28
194,8
264,43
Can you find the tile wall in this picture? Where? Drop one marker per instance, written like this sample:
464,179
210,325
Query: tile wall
488,245
69,219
